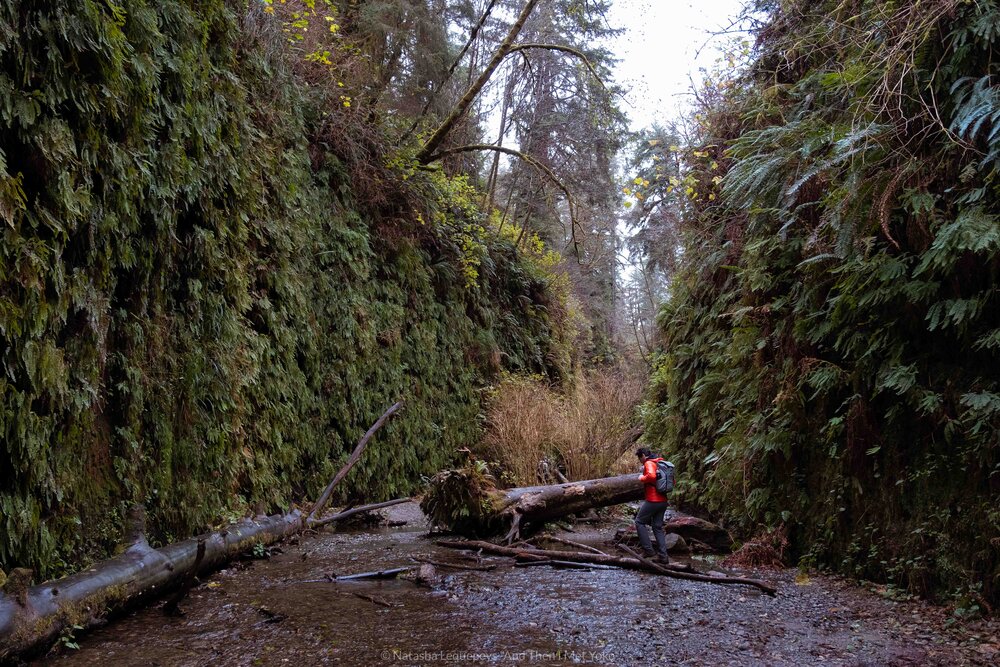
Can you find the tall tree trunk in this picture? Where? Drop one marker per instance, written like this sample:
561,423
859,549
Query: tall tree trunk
491,187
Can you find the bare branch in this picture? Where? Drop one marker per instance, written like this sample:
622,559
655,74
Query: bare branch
565,49
545,171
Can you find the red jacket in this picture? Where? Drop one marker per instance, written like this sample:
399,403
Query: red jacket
648,478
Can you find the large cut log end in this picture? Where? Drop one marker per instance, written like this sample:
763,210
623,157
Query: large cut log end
465,501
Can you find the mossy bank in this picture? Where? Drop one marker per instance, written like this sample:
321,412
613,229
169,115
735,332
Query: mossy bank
198,310
831,345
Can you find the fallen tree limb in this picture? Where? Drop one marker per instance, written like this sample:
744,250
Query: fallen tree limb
571,543
391,573
353,459
455,566
374,600
629,563
568,564
531,552
340,516
645,561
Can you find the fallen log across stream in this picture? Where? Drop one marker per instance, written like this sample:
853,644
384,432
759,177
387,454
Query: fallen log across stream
32,618
467,502
599,559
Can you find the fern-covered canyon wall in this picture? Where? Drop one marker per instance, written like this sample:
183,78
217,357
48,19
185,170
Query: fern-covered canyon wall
211,282
831,346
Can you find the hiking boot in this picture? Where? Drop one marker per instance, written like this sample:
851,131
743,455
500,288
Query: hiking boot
651,555
662,558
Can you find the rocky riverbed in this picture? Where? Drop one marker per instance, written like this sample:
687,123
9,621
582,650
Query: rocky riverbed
280,611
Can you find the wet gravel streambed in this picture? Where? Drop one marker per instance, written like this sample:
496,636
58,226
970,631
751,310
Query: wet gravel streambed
266,613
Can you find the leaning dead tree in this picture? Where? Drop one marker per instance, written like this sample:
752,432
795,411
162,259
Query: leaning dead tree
33,617
426,154
429,152
467,501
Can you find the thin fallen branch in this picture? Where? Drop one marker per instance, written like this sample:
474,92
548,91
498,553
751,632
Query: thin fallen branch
391,573
632,552
571,543
629,563
355,456
376,574
373,599
340,516
455,566
697,576
566,564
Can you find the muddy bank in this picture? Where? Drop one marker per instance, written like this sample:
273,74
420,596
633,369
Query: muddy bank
261,613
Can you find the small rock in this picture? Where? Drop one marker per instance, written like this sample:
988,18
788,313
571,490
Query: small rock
677,544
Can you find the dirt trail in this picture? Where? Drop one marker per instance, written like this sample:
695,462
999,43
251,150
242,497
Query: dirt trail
260,614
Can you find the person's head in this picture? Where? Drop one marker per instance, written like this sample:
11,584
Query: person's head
644,453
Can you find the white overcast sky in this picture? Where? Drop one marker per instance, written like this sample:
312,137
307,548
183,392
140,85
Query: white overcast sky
659,51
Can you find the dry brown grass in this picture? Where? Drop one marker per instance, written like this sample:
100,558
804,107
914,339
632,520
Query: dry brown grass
765,551
587,430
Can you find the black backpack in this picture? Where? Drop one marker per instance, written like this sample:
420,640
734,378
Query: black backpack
664,476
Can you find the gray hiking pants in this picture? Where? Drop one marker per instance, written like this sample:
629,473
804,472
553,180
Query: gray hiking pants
651,514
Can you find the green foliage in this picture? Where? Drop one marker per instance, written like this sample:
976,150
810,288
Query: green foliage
463,500
830,358
194,314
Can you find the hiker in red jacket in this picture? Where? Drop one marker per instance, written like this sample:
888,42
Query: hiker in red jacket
652,509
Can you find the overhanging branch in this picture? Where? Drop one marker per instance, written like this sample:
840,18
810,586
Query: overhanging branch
565,49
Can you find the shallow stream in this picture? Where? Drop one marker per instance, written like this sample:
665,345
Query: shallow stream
268,612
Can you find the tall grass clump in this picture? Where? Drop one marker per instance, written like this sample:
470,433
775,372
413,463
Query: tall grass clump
584,429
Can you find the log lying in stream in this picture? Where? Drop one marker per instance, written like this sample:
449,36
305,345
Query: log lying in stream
32,618
586,557
467,502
